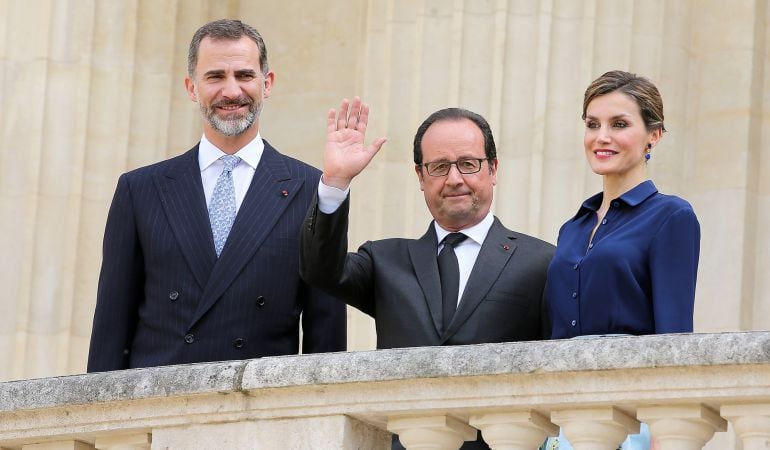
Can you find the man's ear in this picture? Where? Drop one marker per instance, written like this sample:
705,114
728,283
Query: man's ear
268,83
190,88
493,170
418,171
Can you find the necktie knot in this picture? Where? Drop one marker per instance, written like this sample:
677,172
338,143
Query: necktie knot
452,239
230,161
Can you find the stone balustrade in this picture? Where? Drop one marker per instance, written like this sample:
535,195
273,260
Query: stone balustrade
686,387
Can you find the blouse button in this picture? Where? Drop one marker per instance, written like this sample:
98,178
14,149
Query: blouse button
604,221
173,295
615,204
591,245
575,267
574,322
574,295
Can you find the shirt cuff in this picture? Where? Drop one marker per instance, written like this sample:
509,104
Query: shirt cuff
330,198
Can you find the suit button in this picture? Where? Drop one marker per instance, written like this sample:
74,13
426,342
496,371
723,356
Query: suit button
238,343
260,301
189,338
173,295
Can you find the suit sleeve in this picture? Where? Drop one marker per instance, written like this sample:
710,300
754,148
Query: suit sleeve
324,322
120,288
674,268
326,264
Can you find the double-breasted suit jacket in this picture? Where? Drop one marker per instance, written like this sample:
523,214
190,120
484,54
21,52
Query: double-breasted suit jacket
165,298
396,281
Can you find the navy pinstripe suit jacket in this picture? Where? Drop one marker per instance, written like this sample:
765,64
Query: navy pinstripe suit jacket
165,298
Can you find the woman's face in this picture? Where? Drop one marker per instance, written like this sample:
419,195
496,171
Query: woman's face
616,137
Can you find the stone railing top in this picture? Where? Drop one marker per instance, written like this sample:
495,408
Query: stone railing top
588,354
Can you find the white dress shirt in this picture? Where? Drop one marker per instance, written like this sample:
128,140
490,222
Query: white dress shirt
330,198
211,167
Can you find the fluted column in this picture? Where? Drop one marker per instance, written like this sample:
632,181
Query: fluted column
139,441
686,427
431,432
519,430
602,428
751,424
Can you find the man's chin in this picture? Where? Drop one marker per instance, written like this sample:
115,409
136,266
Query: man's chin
231,127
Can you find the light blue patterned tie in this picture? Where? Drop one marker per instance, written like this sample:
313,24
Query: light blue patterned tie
222,206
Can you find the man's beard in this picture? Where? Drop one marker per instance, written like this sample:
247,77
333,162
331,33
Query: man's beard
233,124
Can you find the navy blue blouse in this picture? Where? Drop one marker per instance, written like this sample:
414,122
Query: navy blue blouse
638,274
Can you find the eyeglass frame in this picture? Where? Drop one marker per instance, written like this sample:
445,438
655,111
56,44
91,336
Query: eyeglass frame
480,160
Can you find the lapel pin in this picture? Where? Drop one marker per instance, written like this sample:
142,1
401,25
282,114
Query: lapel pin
505,247
285,193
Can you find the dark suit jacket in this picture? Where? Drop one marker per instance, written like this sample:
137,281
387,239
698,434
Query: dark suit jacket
165,298
396,282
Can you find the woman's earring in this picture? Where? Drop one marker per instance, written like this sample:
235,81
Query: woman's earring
647,153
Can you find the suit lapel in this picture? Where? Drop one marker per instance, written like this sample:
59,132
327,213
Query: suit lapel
423,255
270,192
181,193
497,249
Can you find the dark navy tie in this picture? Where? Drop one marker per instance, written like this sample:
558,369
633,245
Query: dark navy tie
449,272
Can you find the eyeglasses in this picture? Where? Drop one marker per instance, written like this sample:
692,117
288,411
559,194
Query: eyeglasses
465,166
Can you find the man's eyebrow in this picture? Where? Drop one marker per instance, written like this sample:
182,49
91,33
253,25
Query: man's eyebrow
214,72
242,72
238,73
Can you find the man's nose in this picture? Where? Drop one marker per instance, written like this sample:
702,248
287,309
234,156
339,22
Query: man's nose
231,88
454,176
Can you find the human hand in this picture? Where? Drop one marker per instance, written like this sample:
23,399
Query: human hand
345,154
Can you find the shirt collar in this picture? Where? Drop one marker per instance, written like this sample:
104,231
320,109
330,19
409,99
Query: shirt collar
633,197
477,232
251,153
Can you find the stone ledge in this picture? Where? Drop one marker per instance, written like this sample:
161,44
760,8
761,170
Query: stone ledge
570,355
233,377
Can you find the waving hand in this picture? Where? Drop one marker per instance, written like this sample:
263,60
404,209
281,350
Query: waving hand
345,154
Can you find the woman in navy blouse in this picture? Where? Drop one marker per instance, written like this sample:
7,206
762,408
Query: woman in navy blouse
626,263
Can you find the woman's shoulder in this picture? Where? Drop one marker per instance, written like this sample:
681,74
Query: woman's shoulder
671,203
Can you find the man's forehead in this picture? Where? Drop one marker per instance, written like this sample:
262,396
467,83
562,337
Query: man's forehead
453,126
228,48
454,130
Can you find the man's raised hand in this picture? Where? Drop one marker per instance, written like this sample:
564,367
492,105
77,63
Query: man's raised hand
345,154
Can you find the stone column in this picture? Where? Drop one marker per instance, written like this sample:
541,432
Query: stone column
431,432
603,428
751,424
519,430
686,427
139,441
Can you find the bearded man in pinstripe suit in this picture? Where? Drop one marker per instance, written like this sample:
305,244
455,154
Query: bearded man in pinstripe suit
170,290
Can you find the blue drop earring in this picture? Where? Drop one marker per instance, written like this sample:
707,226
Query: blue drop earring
647,154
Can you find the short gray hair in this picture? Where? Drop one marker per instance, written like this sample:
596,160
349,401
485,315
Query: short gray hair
228,29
